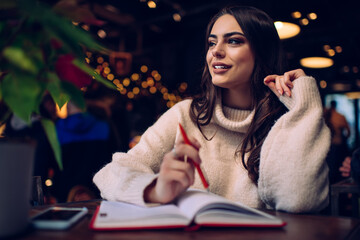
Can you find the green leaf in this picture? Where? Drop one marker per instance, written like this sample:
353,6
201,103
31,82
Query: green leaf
73,33
55,89
22,93
17,57
63,29
91,72
76,95
51,134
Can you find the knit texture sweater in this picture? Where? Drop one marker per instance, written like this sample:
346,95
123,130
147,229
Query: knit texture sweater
293,173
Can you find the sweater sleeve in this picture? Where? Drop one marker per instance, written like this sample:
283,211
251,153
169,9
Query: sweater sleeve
128,174
293,170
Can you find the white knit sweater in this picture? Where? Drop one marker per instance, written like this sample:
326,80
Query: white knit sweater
293,172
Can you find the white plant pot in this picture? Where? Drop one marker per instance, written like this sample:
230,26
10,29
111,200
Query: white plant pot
16,168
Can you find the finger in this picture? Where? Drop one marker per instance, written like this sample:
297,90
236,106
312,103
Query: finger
278,85
270,78
285,88
294,74
347,162
179,172
343,169
183,179
191,152
288,80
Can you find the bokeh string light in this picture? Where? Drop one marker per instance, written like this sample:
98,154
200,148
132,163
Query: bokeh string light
142,83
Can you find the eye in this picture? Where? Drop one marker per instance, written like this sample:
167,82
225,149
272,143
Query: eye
235,41
211,43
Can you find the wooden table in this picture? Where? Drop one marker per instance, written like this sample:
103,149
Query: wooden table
298,226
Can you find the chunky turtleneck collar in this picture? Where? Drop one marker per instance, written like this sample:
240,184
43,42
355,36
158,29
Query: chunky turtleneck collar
232,118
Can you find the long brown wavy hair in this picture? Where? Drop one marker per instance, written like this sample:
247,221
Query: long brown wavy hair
264,41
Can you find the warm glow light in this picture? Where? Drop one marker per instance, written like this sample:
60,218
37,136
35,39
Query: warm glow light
323,84
164,90
101,33
136,90
157,77
341,87
177,17
144,68
100,60
61,113
126,82
338,49
304,21
296,14
110,77
153,90
130,95
331,52
150,82
116,82
286,29
312,16
135,76
316,62
151,4
86,27
2,128
107,70
48,183
353,95
154,72
170,104
326,48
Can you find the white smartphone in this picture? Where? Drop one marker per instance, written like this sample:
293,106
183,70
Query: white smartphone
58,218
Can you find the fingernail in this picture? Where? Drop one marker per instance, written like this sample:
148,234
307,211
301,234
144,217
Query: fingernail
287,93
280,92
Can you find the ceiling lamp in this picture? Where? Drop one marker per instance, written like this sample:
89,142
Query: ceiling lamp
316,62
286,29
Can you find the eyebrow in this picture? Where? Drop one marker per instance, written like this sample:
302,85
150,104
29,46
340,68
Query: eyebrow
226,35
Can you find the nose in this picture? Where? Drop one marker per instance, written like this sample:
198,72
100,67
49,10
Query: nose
218,51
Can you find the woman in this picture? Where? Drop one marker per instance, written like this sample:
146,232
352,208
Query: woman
258,134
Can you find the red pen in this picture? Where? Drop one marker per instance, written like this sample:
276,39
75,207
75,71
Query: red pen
197,166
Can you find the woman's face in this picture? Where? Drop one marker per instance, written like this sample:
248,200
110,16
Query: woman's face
229,57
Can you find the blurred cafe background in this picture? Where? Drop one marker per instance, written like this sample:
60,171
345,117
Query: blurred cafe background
157,51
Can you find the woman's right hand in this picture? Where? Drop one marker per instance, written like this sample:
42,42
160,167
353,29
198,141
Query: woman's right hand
176,175
345,168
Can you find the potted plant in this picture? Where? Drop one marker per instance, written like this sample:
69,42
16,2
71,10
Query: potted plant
41,53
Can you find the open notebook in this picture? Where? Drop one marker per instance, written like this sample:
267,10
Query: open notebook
192,209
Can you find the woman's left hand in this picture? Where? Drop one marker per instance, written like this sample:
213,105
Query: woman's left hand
281,84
